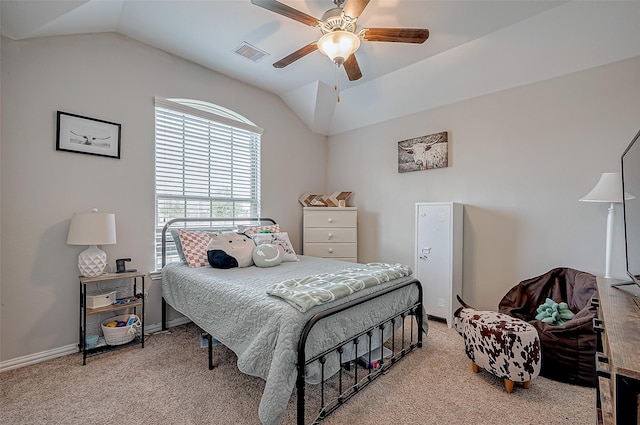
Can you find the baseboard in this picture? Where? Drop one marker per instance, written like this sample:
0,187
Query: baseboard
54,353
157,327
38,357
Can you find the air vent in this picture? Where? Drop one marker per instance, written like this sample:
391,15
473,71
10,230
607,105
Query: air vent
251,52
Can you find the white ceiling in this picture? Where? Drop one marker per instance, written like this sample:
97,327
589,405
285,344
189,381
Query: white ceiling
475,47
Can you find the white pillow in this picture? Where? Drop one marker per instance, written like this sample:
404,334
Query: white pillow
280,240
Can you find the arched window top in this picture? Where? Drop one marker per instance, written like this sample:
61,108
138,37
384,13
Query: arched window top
213,109
210,111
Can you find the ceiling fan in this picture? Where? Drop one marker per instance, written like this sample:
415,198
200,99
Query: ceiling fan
341,37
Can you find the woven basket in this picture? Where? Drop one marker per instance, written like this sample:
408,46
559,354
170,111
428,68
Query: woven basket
123,334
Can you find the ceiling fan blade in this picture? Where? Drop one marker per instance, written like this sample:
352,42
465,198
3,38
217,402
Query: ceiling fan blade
354,8
288,60
352,68
397,35
284,10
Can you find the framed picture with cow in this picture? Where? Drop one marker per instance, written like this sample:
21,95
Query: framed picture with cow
87,135
423,153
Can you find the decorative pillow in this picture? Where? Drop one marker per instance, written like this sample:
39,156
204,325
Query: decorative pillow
281,240
230,249
250,230
175,235
267,255
194,247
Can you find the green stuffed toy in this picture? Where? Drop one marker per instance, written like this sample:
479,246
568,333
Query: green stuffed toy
554,313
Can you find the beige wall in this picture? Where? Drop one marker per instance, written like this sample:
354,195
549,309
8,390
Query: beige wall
519,161
113,78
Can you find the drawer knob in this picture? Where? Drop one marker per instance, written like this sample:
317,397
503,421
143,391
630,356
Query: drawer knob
330,250
330,220
330,235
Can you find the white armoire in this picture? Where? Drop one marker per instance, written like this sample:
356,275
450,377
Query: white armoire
438,261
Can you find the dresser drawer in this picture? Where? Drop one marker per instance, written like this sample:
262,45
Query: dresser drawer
331,250
329,234
330,218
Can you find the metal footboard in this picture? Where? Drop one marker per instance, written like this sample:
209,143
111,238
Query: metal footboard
345,392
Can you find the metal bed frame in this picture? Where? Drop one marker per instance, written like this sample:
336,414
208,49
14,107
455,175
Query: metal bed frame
344,391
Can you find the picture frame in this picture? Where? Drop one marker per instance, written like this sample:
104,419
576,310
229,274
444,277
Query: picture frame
90,136
423,153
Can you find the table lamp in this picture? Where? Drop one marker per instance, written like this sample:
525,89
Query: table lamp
608,189
92,228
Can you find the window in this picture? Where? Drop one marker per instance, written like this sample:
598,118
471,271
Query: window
207,164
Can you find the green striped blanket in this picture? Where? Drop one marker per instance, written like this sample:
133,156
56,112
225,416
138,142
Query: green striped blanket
307,292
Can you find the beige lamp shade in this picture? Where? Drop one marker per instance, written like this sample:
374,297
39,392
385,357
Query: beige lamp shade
92,228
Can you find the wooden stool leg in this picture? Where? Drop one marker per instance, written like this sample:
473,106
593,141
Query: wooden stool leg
508,385
526,385
475,367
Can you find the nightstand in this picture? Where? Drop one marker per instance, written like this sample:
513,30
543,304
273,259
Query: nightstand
134,301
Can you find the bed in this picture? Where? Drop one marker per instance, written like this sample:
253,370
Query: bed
282,345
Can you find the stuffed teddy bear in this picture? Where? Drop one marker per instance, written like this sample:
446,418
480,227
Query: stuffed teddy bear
230,249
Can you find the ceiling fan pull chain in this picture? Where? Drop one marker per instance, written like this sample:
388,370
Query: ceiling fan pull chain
335,85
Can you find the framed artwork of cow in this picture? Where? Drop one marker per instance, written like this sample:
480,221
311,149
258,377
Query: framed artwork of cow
423,153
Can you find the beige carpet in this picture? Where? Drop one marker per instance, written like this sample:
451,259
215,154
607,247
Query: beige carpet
168,382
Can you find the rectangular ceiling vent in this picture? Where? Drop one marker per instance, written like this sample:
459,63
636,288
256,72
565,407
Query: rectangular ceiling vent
251,52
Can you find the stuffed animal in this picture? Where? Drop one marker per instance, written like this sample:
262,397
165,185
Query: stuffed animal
267,255
554,313
230,249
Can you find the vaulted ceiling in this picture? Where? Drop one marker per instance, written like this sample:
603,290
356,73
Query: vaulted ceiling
475,47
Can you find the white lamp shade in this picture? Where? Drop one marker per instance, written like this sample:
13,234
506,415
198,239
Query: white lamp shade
608,189
92,228
338,45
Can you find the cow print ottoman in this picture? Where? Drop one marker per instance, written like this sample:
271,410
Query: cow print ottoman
507,347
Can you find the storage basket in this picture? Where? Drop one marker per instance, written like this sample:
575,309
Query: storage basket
123,334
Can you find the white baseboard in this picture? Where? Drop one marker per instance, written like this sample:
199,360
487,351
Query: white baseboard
38,357
157,327
73,348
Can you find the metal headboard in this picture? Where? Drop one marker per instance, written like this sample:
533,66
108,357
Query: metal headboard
227,223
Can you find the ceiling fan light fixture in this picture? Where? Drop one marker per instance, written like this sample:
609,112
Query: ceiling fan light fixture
338,45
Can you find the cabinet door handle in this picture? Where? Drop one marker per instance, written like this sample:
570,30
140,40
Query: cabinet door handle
330,250
330,220
329,236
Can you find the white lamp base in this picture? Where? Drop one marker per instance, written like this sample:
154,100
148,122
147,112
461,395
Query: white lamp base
92,261
607,266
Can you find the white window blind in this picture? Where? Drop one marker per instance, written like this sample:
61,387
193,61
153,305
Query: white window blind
207,165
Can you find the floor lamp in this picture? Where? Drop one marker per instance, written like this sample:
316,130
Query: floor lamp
608,189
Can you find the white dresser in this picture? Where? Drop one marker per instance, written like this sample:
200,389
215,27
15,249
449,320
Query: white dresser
331,232
438,249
